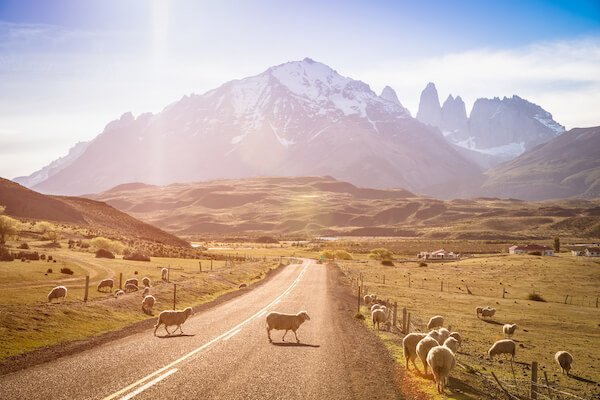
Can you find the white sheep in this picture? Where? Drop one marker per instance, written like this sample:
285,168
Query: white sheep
148,303
285,322
130,287
131,281
509,329
146,291
452,344
435,322
172,318
456,336
423,348
440,335
488,312
164,274
441,360
478,310
119,293
375,307
57,293
105,283
409,345
379,316
564,360
146,281
367,299
504,346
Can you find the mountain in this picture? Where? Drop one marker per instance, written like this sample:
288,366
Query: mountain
566,166
499,128
96,216
301,118
306,206
389,94
54,167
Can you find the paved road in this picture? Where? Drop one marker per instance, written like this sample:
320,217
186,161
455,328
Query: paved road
225,353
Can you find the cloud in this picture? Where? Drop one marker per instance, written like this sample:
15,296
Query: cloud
563,77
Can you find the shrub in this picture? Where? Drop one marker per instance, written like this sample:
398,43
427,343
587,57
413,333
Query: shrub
84,245
49,271
535,297
66,270
381,254
42,256
101,253
422,264
266,239
102,243
49,258
24,246
343,255
387,262
27,255
135,256
358,315
5,255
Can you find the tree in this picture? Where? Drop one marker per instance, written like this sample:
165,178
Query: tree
106,244
556,244
8,227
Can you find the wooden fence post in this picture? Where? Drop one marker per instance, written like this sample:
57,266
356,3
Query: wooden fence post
441,286
534,371
503,292
395,315
384,279
404,320
200,265
358,307
87,286
174,295
596,302
120,280
409,281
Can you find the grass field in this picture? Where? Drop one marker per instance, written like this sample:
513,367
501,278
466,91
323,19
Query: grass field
544,327
29,321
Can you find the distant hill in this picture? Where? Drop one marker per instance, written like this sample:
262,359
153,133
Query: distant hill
24,203
566,166
325,206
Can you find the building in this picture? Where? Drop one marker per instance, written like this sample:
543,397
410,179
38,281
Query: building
438,255
531,249
592,252
585,250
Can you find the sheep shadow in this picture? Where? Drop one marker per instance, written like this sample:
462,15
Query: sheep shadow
491,321
292,344
175,336
582,379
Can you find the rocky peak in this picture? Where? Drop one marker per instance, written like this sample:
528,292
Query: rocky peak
454,116
430,111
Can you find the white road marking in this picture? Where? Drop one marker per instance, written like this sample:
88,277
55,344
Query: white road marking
147,385
232,334
204,346
261,314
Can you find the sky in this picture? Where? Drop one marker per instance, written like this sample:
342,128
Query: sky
68,67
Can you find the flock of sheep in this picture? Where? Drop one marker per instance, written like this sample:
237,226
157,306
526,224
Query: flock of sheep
437,349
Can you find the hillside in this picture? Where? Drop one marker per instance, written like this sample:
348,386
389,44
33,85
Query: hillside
567,166
325,206
97,216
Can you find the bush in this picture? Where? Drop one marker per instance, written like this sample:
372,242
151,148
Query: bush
422,264
101,253
49,258
343,255
387,262
328,254
135,256
32,256
42,256
266,239
102,243
381,254
24,246
66,270
535,297
49,271
5,255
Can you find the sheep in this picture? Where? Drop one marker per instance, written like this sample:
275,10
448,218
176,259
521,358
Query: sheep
452,344
409,345
423,348
456,336
105,283
504,346
285,322
146,291
132,281
57,293
488,312
164,274
435,322
509,329
375,307
379,316
478,310
130,287
119,293
148,303
441,360
146,281
564,360
440,335
368,299
172,318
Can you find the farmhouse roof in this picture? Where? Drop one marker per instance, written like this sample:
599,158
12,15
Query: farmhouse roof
531,247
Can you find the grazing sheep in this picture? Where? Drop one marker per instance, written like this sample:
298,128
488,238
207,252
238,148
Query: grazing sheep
488,312
509,329
131,281
435,322
119,293
164,274
423,347
409,345
564,359
146,281
105,283
146,291
441,360
478,310
368,299
452,344
285,322
504,346
57,293
130,287
172,318
440,335
456,336
379,316
148,303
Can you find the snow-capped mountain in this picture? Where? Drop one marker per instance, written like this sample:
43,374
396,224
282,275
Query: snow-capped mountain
500,128
298,118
